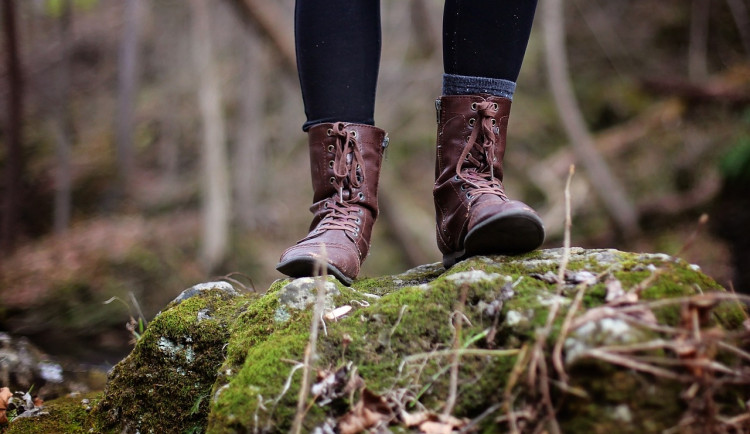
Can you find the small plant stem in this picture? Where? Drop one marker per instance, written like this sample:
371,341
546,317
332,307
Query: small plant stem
566,236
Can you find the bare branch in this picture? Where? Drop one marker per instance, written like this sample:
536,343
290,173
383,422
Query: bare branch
609,190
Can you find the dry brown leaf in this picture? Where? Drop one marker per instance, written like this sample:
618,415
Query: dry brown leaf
414,419
430,427
443,425
614,289
430,423
368,412
5,395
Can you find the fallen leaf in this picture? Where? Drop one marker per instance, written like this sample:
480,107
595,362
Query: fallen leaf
414,419
331,385
370,410
584,276
431,423
614,290
548,277
5,395
337,313
430,427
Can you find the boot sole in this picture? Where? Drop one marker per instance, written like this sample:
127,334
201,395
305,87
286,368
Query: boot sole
510,233
305,267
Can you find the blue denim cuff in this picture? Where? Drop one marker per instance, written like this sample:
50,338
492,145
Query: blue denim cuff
467,85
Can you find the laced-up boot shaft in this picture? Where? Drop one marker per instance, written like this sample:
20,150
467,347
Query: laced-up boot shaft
473,213
345,162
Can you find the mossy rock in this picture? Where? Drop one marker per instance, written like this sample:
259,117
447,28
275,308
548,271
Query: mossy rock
222,362
62,415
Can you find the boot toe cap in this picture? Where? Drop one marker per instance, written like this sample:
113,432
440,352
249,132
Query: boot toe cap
301,260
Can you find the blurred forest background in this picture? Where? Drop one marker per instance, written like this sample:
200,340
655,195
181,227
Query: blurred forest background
148,145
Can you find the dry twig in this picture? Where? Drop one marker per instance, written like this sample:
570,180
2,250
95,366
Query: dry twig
453,386
321,271
508,393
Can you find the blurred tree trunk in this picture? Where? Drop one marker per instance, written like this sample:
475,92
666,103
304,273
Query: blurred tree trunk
14,161
424,32
127,86
609,189
268,18
169,152
63,124
742,21
172,63
698,47
216,206
248,155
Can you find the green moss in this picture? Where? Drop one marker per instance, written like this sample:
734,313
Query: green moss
173,365
264,339
626,401
63,415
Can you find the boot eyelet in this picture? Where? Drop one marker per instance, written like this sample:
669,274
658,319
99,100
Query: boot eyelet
472,121
456,178
360,212
325,205
473,106
495,106
330,164
468,138
354,134
361,196
494,159
329,132
463,187
359,220
330,148
494,122
468,195
332,180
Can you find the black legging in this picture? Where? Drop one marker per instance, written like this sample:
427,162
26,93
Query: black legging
338,50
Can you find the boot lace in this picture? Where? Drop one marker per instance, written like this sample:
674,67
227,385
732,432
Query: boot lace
483,139
348,173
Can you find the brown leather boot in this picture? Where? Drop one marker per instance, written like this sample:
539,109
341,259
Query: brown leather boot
345,164
474,215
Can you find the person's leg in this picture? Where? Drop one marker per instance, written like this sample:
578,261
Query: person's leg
485,39
338,55
484,44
